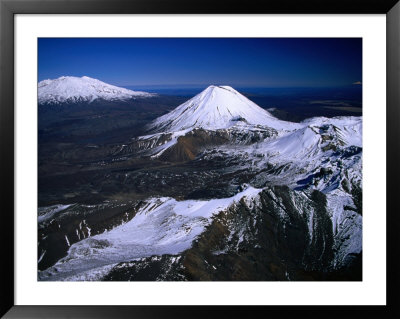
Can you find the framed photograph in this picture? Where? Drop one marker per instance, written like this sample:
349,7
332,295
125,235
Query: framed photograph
163,158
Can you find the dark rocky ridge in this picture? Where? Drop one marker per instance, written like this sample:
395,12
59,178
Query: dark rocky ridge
76,223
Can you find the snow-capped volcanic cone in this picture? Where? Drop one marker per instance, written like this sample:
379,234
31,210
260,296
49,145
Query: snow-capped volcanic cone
217,107
85,89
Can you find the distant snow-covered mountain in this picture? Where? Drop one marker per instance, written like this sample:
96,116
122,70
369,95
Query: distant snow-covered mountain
71,89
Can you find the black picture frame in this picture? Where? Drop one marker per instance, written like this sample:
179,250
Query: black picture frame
8,8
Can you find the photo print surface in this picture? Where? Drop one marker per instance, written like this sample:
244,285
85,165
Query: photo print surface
212,159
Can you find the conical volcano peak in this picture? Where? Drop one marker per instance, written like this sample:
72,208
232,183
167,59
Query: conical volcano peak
216,107
221,89
215,91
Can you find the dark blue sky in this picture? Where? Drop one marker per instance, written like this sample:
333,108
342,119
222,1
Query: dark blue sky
251,62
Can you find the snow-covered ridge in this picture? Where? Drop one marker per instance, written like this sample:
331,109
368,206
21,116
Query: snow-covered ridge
162,226
82,89
217,107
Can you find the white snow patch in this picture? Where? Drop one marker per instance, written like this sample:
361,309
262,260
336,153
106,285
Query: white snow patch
66,239
41,256
48,212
